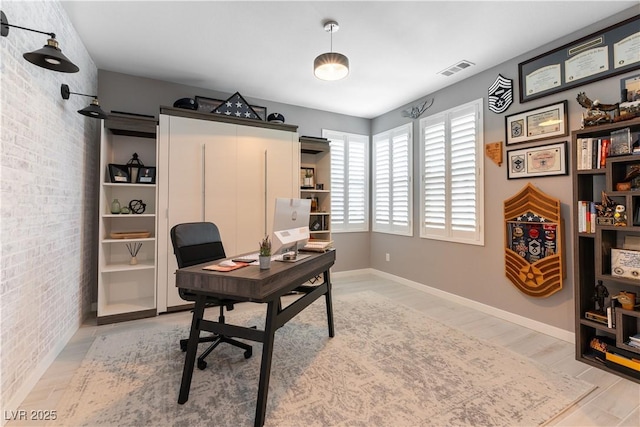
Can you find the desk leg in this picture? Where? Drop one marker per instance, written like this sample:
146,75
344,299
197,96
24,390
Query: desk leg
327,280
265,367
192,349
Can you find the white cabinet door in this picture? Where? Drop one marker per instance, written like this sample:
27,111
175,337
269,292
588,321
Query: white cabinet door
200,165
223,173
268,161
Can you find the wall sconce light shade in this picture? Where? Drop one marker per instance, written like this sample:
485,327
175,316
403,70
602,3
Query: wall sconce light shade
93,110
331,65
49,57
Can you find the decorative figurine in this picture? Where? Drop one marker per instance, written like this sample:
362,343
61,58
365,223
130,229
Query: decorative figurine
599,296
137,206
597,113
620,216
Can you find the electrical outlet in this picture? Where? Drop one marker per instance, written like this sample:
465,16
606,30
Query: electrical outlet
388,257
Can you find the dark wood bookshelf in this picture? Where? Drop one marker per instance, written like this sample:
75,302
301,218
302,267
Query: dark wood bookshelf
592,251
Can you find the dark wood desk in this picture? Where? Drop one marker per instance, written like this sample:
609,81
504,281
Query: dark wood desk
255,285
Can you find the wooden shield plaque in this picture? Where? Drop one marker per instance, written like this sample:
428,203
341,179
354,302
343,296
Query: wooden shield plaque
533,242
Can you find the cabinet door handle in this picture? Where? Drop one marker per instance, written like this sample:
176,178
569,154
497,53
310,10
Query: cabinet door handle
266,163
203,184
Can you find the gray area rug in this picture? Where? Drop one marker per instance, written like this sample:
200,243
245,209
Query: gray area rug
388,365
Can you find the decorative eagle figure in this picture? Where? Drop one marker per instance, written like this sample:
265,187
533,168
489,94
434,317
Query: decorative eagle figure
594,105
597,113
416,111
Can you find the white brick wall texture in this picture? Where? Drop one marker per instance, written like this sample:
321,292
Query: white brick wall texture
48,198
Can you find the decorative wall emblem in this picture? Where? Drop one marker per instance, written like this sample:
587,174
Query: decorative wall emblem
500,94
533,243
417,110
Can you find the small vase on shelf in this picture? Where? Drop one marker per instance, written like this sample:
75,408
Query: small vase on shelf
133,249
115,206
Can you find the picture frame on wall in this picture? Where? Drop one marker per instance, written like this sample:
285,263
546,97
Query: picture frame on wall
537,124
539,161
600,55
119,174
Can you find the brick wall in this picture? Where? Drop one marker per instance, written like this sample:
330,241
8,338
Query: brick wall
48,196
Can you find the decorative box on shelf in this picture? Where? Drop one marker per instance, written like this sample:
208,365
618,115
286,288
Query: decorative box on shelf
625,263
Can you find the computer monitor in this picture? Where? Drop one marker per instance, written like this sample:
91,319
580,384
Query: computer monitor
290,225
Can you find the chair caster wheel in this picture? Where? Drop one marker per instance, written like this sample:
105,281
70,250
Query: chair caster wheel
248,353
183,346
202,365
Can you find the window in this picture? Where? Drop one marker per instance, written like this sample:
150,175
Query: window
392,195
349,181
451,187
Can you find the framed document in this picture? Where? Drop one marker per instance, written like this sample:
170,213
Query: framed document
544,160
600,55
545,122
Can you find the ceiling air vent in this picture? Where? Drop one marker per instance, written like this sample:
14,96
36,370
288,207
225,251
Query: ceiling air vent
461,65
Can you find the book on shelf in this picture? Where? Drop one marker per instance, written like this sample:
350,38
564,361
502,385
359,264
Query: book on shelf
597,316
586,216
592,153
611,318
624,361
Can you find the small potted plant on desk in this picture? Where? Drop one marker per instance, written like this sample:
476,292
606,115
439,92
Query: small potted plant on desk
265,253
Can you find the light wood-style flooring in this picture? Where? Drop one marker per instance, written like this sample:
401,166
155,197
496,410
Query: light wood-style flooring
616,401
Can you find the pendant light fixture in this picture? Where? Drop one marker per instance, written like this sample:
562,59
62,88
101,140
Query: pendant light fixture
50,56
92,110
331,65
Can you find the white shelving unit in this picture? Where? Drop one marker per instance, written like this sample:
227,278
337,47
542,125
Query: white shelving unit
315,153
126,291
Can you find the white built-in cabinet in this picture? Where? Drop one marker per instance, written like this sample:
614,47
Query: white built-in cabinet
126,291
221,170
316,155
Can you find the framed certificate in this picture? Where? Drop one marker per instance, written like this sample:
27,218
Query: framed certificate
545,122
544,160
614,50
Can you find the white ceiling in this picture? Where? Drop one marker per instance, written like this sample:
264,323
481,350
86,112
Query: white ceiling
265,49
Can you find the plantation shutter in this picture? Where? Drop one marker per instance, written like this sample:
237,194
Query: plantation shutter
452,175
392,204
349,186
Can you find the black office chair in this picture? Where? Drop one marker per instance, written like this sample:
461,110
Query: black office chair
195,243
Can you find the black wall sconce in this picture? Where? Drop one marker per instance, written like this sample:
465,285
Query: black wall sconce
50,56
92,110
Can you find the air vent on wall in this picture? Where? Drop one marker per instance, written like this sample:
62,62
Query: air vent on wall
461,65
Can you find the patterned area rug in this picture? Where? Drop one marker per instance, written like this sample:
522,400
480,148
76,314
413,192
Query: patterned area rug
387,365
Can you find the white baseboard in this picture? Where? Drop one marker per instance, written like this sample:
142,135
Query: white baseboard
535,325
30,382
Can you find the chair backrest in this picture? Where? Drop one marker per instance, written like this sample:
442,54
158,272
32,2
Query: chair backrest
196,242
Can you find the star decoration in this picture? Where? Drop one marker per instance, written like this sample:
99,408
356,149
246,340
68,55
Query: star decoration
531,275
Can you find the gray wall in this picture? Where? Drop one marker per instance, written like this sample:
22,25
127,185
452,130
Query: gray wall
474,272
121,92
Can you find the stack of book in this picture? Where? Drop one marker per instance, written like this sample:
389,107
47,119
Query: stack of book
592,152
586,216
634,341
